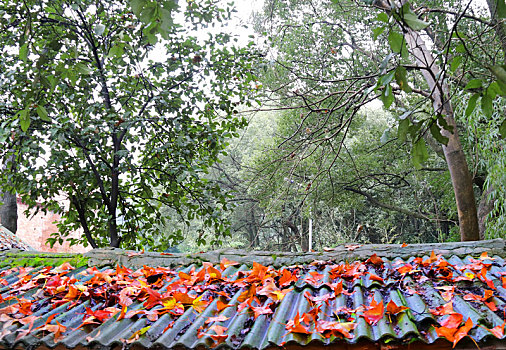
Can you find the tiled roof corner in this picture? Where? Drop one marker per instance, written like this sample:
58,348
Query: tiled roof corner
348,252
9,240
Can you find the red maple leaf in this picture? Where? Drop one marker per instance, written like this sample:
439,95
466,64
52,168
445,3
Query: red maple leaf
498,331
294,326
314,279
261,310
375,260
374,312
334,328
287,278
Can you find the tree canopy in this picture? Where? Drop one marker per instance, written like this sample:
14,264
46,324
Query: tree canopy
119,107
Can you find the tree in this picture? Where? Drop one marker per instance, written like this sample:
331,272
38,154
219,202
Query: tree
331,58
120,108
8,202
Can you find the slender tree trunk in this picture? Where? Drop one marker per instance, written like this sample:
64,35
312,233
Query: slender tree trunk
459,171
9,208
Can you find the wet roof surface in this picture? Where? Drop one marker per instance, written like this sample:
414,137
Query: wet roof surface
238,306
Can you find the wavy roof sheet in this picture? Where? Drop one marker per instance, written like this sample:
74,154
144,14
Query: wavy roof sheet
243,306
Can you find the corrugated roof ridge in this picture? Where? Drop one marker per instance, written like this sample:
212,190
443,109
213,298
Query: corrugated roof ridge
347,252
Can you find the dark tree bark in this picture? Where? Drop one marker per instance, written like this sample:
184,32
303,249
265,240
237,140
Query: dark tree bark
9,209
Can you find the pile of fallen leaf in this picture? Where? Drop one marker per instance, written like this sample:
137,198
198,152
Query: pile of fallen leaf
151,292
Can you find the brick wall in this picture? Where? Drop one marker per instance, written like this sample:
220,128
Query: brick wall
35,230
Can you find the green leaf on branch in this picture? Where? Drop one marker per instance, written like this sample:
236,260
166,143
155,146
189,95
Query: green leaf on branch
23,52
383,17
387,96
474,84
402,130
116,51
493,90
137,6
502,129
376,32
486,106
442,122
455,64
419,153
24,119
436,133
401,79
42,112
471,104
414,22
500,72
386,79
397,43
83,69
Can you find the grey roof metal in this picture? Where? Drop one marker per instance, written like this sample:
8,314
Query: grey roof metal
244,331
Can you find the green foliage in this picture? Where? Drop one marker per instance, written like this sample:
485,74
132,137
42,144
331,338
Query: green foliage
41,259
119,112
327,60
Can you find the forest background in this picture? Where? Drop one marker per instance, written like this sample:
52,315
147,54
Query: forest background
360,121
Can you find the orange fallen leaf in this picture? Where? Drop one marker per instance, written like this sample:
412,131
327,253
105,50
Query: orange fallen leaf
294,326
261,310
375,260
394,309
453,321
314,279
377,278
219,318
226,263
462,331
287,278
374,312
222,306
404,245
484,256
498,331
334,328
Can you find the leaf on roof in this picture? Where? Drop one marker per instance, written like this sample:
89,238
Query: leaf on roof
374,312
226,263
394,309
294,326
375,260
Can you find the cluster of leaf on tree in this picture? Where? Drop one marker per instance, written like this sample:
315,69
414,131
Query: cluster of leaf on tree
113,110
427,165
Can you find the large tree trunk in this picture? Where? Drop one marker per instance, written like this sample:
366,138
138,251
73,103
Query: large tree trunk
9,209
459,171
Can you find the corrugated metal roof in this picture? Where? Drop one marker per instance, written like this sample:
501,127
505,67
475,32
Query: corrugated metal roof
9,240
329,299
